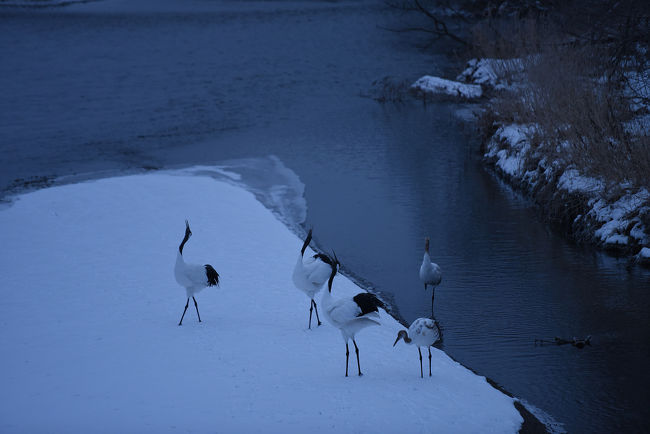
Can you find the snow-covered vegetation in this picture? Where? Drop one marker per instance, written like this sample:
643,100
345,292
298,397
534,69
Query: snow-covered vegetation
90,339
567,108
614,216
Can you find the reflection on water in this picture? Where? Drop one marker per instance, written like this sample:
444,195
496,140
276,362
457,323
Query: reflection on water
114,86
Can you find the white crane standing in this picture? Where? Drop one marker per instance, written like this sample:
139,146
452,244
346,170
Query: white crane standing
430,273
193,277
350,315
424,332
310,274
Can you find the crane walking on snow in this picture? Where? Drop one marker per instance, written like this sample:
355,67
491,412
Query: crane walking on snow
430,273
350,315
193,277
310,274
424,332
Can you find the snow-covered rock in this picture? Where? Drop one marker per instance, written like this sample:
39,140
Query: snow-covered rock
479,71
572,181
491,73
643,257
90,342
509,147
441,86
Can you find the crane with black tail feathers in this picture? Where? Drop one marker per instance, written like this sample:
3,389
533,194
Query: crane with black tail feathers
310,274
350,315
193,277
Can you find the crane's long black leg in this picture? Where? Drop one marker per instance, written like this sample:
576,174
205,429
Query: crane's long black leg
347,355
429,361
356,349
317,317
433,294
311,308
420,352
197,308
186,304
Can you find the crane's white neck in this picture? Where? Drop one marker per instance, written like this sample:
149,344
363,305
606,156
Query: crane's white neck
326,299
179,258
299,262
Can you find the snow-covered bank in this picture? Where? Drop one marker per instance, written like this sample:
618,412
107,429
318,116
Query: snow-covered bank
613,216
90,341
610,216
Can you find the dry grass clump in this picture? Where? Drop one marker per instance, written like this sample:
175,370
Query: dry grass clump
388,89
578,94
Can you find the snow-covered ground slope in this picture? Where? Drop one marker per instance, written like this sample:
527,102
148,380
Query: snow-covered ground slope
90,341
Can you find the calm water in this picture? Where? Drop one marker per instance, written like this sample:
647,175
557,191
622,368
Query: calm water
124,85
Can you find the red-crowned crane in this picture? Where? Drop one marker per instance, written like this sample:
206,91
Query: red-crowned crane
424,332
310,274
430,273
193,277
350,314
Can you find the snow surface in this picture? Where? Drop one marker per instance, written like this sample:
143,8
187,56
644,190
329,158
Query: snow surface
572,181
511,158
436,85
275,185
90,341
479,71
615,215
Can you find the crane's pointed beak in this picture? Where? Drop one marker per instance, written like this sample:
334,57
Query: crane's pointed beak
397,340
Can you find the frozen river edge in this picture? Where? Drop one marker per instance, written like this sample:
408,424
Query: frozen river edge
93,341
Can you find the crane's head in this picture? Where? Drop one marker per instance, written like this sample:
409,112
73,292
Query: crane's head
306,243
188,234
336,265
426,244
401,335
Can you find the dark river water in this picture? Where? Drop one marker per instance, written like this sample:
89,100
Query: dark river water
122,85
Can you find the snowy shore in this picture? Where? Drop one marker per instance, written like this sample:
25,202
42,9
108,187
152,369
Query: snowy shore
613,217
90,341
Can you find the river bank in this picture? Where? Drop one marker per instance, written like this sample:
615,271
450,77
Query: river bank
105,299
562,120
